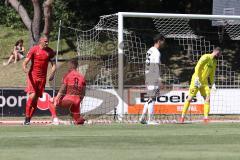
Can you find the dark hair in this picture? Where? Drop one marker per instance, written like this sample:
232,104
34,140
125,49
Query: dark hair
158,37
19,41
74,62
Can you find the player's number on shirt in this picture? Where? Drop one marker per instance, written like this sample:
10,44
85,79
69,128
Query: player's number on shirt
76,83
148,59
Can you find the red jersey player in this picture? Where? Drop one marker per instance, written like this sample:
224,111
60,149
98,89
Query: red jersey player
72,92
39,55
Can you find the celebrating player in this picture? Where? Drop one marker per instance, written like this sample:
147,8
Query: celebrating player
204,70
39,55
72,92
152,77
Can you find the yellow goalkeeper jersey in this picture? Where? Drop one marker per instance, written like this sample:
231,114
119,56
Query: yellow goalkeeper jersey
205,69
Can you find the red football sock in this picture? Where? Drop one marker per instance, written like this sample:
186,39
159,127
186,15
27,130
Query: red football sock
28,107
33,107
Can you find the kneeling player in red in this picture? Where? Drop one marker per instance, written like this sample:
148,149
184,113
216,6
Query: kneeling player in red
72,92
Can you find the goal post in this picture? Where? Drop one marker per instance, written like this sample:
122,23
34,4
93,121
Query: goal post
120,64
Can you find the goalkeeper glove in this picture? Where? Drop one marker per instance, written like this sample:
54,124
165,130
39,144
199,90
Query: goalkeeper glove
197,82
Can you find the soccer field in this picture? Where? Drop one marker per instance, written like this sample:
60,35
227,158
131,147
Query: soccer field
121,141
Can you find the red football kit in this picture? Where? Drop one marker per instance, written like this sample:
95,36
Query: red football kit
38,72
75,85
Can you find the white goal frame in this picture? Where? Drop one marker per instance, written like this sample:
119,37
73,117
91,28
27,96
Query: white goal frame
122,15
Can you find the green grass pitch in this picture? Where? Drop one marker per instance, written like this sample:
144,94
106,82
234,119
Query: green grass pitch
121,141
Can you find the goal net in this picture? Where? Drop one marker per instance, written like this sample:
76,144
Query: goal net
188,37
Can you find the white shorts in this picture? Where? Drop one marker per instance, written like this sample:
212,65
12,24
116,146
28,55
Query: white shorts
152,84
153,91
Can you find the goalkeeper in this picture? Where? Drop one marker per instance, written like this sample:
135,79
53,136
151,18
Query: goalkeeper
204,73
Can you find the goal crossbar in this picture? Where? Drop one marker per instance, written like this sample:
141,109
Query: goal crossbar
170,15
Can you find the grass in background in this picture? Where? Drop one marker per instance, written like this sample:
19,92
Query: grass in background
12,75
8,37
121,141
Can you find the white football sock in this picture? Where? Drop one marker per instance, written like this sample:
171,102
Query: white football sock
150,110
144,111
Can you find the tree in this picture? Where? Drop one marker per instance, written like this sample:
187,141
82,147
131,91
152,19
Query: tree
34,24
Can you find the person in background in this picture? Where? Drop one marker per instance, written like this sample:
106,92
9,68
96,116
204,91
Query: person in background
17,53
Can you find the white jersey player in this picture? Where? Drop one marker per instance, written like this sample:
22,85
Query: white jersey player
152,78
